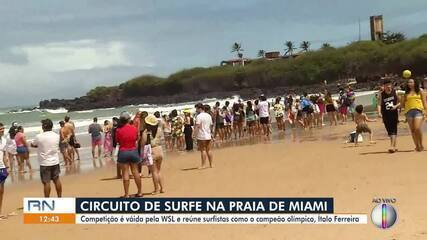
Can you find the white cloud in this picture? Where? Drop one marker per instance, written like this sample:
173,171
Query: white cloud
75,55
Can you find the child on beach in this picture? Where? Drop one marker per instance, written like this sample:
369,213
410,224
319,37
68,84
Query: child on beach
361,120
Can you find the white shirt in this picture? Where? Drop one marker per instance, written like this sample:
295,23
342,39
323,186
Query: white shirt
47,148
2,151
264,111
204,122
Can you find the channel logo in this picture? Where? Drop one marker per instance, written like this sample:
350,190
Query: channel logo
384,216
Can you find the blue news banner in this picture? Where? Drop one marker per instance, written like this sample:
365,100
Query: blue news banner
205,205
186,211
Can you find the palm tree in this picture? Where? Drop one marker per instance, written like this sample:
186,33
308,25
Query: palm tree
305,46
237,47
289,48
326,46
261,53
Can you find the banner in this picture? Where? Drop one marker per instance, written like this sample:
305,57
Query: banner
185,211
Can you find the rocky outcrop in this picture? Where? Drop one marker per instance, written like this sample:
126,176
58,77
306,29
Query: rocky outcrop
86,103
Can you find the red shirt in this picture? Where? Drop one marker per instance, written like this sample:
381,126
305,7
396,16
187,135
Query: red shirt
126,137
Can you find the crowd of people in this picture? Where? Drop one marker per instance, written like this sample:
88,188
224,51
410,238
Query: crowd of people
141,140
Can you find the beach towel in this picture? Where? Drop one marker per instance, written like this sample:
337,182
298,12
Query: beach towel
147,156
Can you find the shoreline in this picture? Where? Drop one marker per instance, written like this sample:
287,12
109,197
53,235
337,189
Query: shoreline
84,103
88,164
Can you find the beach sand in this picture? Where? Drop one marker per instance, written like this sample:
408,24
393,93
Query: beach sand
313,164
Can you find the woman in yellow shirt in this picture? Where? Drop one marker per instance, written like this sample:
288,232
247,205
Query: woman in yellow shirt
414,102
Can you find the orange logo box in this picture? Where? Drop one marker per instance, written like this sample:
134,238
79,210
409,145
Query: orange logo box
49,218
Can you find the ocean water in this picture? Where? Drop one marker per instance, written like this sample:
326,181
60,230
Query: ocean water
30,120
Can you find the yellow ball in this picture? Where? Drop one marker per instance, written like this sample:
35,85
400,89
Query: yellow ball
407,74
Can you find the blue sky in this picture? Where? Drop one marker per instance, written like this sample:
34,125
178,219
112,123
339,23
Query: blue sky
62,49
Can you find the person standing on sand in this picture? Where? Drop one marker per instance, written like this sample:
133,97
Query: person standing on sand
153,152
64,146
167,132
47,144
238,119
388,111
113,136
343,107
219,121
108,141
279,113
188,130
307,111
3,167
136,122
177,130
202,131
95,131
22,149
264,115
11,147
322,110
351,101
228,119
257,123
330,109
250,119
128,157
414,102
73,140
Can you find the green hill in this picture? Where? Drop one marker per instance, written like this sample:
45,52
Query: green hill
365,60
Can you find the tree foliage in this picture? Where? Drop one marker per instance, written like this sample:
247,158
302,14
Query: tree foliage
364,60
393,37
305,46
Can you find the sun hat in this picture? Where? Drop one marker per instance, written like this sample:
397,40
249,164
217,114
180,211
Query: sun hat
151,120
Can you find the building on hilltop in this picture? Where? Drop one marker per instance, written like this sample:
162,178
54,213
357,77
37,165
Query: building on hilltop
236,62
377,27
272,55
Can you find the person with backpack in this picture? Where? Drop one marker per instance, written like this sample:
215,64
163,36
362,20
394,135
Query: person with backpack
307,111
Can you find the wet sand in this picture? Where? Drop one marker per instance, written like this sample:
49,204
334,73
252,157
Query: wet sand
309,164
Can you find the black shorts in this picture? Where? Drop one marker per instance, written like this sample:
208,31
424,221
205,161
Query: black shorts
219,125
330,108
49,173
72,140
308,110
391,126
250,123
264,120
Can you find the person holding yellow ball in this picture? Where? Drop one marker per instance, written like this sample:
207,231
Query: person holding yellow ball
414,102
